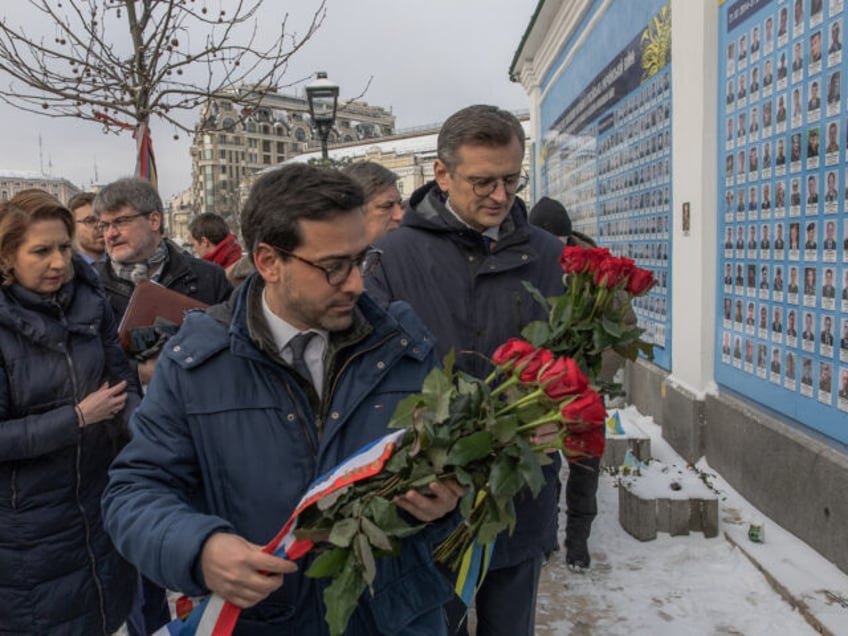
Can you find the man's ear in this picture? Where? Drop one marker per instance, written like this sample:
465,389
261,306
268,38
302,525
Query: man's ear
267,262
441,173
156,220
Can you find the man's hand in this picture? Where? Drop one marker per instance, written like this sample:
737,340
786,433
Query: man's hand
239,571
544,435
442,499
146,369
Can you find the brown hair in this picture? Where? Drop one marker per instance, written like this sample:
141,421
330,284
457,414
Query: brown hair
19,213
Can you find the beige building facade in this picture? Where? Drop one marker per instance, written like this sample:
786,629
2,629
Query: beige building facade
232,144
13,181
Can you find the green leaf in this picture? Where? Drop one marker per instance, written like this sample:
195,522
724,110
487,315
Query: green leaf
470,448
342,596
531,471
404,411
612,328
537,333
343,532
490,530
536,295
504,476
504,428
330,563
327,501
362,550
385,514
376,536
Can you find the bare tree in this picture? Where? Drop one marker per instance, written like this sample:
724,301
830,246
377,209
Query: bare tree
123,63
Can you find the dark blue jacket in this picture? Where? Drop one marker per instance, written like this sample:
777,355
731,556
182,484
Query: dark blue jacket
472,302
59,573
182,273
227,439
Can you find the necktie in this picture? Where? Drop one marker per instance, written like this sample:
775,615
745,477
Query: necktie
297,346
489,243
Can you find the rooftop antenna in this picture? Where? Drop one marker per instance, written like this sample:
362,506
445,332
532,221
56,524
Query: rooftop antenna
96,176
40,155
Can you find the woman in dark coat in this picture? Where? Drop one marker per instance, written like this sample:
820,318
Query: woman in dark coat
66,392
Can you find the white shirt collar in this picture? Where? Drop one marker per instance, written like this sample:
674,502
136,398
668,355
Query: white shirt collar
491,232
282,332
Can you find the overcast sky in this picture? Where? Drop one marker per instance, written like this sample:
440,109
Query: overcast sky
427,59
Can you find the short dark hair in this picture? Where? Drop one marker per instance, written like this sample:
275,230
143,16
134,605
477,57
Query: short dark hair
373,177
478,125
281,198
209,225
80,199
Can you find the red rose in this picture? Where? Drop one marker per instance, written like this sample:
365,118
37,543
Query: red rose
586,444
641,280
596,256
512,350
573,260
563,378
610,273
532,364
585,412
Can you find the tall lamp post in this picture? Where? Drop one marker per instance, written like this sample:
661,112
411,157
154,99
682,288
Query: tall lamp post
323,96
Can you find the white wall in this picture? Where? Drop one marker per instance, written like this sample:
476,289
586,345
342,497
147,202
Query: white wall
693,292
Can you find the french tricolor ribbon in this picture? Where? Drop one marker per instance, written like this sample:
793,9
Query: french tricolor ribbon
216,617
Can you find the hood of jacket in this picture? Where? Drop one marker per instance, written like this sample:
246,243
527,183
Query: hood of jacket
428,211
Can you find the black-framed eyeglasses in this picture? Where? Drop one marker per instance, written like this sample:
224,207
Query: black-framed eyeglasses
485,186
338,270
89,221
119,223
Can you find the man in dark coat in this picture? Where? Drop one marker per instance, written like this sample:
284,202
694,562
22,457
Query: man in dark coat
256,398
131,220
460,258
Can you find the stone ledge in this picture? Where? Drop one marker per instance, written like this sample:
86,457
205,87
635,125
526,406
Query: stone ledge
616,448
642,518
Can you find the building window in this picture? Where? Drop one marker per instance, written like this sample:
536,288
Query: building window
266,130
266,146
222,154
300,134
224,169
266,159
251,127
281,148
222,139
229,125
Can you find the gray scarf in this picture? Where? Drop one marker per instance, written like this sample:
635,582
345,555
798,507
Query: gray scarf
135,272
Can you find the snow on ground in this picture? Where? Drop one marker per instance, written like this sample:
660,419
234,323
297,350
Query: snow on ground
686,585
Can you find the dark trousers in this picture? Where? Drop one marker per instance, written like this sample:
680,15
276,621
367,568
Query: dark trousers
150,610
505,603
581,502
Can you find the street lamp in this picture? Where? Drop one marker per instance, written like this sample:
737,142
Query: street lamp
323,98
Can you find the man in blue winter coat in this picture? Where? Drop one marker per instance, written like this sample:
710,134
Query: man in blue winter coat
460,258
252,400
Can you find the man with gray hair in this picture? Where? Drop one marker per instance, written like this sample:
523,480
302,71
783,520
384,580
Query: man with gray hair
132,223
383,209
460,258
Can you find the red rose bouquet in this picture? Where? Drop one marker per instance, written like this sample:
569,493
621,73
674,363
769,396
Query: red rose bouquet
594,314
478,432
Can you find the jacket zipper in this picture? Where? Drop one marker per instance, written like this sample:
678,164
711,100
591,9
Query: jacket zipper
91,557
326,405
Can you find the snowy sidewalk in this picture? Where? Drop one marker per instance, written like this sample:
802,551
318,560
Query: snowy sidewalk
686,585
